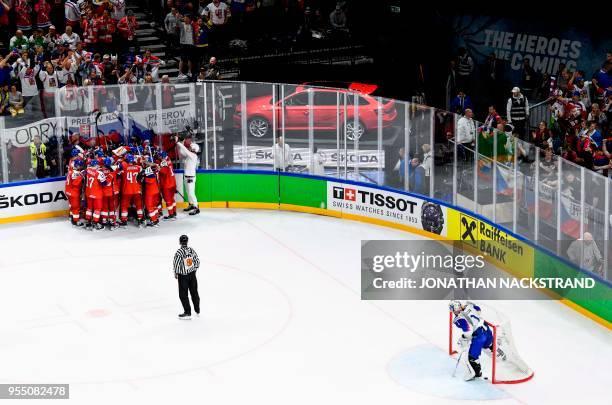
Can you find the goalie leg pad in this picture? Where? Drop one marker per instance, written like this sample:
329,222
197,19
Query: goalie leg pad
473,369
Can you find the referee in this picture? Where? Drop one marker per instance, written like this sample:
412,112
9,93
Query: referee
186,263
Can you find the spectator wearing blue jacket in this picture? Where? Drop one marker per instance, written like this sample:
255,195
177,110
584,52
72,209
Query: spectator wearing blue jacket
461,103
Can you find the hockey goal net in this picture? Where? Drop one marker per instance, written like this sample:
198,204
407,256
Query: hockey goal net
506,366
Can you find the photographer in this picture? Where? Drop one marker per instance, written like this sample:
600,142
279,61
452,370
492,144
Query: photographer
38,158
189,160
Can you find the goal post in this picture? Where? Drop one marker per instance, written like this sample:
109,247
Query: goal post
505,366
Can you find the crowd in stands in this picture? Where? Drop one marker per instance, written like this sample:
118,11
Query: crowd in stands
579,104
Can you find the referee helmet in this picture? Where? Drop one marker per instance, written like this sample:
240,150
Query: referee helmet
183,240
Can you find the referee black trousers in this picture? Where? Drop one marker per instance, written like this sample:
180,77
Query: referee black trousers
189,283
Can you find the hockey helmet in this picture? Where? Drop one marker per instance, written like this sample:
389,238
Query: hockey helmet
455,306
183,240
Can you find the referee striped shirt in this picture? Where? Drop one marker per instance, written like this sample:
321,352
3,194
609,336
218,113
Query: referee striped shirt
185,261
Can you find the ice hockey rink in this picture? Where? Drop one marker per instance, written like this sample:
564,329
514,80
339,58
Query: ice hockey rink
282,320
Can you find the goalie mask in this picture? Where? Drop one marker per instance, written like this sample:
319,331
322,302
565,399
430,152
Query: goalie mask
455,306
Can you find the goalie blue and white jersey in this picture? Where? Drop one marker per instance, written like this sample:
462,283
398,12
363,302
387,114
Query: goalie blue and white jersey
469,319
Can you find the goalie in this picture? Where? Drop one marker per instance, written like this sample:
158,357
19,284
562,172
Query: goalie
476,335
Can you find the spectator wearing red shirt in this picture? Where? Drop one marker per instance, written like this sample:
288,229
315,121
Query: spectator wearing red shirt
23,12
43,14
127,27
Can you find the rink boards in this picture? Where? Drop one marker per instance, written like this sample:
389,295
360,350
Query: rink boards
349,200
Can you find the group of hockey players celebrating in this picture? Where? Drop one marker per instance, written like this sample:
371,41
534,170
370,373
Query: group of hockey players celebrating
112,185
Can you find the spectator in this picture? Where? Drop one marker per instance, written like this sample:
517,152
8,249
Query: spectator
51,39
43,14
542,91
38,158
466,135
16,101
597,116
461,102
426,165
548,168
585,254
218,13
201,30
337,19
517,110
601,162
70,38
118,11
5,8
417,181
465,68
127,27
188,50
152,64
492,118
542,137
451,83
212,70
37,38
19,41
23,13
493,75
604,76
73,15
171,24
6,70
27,77
4,100
594,134
528,78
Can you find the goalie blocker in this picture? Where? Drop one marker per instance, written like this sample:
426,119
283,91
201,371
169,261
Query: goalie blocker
505,367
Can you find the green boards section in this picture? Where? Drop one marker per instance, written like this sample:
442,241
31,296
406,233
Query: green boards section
597,300
303,191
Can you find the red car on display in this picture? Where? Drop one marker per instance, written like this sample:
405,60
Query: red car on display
325,101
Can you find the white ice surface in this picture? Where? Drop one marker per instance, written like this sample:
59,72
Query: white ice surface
282,321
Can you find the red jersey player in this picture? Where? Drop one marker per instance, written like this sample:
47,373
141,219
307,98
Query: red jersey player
74,185
130,189
151,194
167,182
94,193
110,193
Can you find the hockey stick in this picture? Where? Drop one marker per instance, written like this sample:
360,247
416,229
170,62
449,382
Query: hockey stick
458,361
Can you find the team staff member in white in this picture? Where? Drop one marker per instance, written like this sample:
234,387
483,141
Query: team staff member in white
190,163
186,263
466,135
283,157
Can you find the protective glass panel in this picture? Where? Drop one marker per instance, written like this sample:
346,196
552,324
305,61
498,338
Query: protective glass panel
465,138
443,155
291,147
486,171
255,129
328,134
33,146
225,109
570,209
419,135
525,188
594,221
505,178
394,137
548,183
